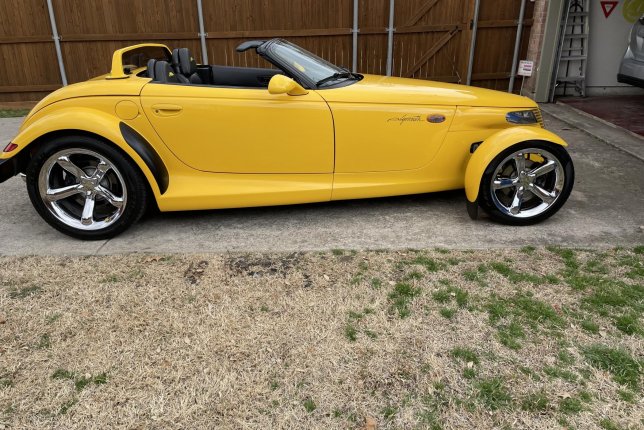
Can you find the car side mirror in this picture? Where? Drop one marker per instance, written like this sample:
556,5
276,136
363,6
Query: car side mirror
280,84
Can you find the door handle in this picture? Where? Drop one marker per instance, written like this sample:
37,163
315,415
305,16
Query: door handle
166,109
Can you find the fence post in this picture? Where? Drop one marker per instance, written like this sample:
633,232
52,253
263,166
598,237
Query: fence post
354,31
517,47
56,37
390,38
475,26
202,34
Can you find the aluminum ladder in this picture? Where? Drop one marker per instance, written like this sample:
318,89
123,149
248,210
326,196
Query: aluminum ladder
572,52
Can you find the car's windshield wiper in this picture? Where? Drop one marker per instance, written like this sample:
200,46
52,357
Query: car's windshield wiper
335,76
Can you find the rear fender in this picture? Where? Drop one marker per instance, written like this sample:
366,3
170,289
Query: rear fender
493,146
79,119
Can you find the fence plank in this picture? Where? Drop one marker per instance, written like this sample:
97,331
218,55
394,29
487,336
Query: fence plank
259,34
421,12
431,52
91,31
25,39
126,37
29,88
428,28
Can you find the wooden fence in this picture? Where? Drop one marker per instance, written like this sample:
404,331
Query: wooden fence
431,38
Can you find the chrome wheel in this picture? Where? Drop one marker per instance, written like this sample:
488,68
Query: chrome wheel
527,182
82,189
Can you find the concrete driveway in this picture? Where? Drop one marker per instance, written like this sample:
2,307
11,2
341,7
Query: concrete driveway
605,209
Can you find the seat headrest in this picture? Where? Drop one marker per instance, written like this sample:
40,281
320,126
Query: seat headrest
185,61
175,60
151,63
163,72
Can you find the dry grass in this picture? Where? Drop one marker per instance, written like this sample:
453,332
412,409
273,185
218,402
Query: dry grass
323,340
13,113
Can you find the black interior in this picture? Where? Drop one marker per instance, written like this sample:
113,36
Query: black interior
164,73
242,76
151,64
184,70
185,66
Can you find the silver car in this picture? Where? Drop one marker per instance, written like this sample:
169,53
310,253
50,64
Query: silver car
631,71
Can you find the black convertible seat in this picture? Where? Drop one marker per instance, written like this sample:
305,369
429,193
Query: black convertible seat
164,73
186,66
151,63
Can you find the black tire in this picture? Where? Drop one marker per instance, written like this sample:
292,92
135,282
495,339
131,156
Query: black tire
487,200
129,180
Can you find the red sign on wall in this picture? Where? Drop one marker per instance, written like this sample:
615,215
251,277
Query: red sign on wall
608,7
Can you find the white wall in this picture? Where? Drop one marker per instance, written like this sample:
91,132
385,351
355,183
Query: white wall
607,44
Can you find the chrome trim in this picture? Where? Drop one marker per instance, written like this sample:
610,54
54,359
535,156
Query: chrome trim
91,187
539,181
537,114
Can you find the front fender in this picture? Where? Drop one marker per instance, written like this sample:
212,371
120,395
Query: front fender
78,119
495,144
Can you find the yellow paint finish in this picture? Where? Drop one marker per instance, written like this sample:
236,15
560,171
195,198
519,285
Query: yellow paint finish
348,186
200,190
188,188
469,118
392,90
126,109
280,84
377,138
495,144
242,130
94,87
117,71
95,116
445,172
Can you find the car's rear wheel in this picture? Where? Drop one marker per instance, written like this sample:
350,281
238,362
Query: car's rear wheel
85,188
527,183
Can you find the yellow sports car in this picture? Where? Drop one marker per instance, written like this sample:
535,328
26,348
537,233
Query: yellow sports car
161,130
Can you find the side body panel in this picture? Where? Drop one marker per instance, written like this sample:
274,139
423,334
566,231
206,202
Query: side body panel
387,137
242,130
446,171
96,115
195,190
188,189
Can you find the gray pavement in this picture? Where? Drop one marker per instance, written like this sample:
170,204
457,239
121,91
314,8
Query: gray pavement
608,133
606,209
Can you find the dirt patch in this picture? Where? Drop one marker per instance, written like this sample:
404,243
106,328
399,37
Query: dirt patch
263,265
415,339
195,271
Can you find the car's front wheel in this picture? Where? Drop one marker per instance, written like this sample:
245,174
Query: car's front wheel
85,188
527,183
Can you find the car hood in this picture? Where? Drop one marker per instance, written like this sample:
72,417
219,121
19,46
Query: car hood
392,90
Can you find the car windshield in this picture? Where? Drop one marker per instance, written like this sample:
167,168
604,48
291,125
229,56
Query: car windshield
309,64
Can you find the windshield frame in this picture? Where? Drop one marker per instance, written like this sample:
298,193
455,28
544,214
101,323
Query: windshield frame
268,50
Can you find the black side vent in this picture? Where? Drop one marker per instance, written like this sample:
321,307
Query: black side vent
474,146
148,154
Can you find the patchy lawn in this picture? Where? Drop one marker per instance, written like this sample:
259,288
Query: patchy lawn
537,338
13,113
